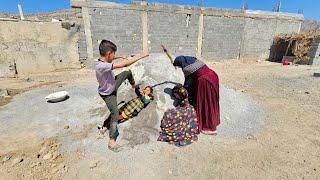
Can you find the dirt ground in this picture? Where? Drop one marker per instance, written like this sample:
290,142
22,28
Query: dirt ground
287,147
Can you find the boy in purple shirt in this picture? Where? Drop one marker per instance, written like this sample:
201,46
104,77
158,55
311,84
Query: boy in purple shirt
109,83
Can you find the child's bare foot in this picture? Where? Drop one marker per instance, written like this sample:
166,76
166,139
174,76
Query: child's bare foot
113,146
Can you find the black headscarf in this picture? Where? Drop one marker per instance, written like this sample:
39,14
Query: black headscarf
184,61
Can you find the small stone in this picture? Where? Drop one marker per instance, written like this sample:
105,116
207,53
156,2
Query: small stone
55,170
307,92
251,137
93,164
17,160
53,165
6,158
55,156
66,127
61,166
99,137
47,156
42,150
35,164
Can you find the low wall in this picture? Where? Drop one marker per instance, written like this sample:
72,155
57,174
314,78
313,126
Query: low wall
34,47
214,34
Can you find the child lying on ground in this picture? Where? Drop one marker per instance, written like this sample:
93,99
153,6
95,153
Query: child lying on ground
134,106
131,108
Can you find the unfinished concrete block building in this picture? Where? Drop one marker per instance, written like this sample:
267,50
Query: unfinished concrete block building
214,34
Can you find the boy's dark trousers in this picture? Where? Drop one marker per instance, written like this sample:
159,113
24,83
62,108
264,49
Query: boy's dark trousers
112,104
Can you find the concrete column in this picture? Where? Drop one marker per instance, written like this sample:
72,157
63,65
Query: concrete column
145,31
200,36
87,30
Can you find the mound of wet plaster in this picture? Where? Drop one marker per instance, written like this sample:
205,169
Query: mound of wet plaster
239,115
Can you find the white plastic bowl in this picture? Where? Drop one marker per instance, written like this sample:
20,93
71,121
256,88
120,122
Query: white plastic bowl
57,96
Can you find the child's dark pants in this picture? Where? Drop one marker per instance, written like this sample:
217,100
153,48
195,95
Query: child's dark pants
111,101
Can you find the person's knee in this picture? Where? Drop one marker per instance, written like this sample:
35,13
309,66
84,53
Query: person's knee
128,72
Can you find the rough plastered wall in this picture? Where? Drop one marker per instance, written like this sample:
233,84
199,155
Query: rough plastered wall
258,36
178,32
222,37
36,47
315,51
123,27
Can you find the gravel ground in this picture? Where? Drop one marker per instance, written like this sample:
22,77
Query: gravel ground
269,129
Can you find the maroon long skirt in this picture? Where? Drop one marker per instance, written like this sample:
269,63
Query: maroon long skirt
206,96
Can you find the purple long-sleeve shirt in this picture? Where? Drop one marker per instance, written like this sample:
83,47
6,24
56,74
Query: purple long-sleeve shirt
105,78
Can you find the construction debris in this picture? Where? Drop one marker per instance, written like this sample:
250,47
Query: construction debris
296,45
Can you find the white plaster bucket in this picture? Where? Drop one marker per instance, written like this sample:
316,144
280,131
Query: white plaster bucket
57,96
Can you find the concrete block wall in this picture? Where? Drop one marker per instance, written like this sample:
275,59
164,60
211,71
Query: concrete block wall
222,37
258,36
123,27
225,34
178,32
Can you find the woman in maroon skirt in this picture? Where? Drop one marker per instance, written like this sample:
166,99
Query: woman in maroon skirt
202,84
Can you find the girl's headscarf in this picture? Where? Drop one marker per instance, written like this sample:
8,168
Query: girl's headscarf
188,64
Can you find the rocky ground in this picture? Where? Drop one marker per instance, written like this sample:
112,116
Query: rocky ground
270,129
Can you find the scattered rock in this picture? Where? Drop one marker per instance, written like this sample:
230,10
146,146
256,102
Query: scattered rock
4,93
6,158
66,127
28,79
100,136
47,156
93,164
251,137
35,164
17,160
242,90
55,156
307,92
42,150
53,165
54,170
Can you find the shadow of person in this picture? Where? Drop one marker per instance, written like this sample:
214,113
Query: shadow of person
168,91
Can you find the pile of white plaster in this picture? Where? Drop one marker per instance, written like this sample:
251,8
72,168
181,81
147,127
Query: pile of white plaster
239,114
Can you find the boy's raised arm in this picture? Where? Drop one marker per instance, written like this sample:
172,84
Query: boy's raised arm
121,57
130,61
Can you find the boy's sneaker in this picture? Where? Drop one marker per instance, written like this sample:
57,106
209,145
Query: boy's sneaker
102,130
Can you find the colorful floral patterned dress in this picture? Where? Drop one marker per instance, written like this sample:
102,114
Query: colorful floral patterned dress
179,126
